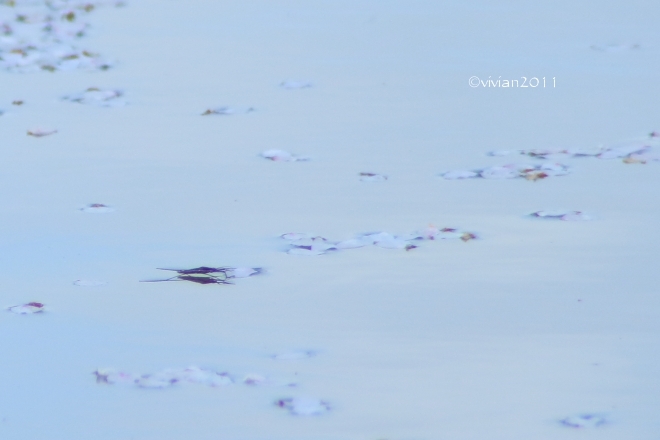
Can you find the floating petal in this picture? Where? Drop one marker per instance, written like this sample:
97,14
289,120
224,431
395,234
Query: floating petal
244,272
302,406
584,421
97,208
27,309
38,132
352,243
371,177
98,97
561,215
499,172
293,84
111,376
282,156
295,355
460,174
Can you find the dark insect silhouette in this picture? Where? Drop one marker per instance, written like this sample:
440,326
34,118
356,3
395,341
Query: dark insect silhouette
209,275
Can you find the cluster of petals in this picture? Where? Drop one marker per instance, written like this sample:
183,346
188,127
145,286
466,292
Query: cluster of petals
283,156
98,97
176,376
42,35
226,111
511,171
643,151
309,244
567,216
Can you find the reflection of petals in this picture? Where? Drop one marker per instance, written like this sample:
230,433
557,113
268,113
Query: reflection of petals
302,406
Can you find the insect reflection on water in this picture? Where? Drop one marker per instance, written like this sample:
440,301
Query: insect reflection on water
208,275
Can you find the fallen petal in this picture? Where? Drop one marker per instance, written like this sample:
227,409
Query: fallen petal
97,208
27,309
302,406
244,272
37,132
293,84
371,177
295,355
584,421
460,174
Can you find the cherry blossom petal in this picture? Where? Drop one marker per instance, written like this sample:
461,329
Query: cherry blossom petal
303,406
460,174
584,421
295,355
371,177
27,309
97,208
295,84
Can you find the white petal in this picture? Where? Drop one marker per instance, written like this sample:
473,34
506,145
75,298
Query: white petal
392,243
304,406
295,355
112,376
97,208
27,309
295,236
371,177
244,272
293,84
157,380
584,421
614,47
254,379
459,174
498,153
352,243
373,237
499,172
